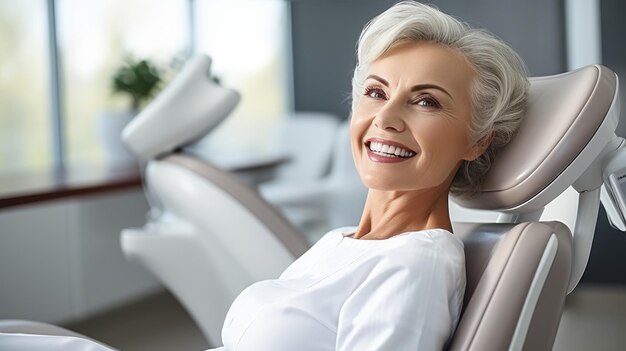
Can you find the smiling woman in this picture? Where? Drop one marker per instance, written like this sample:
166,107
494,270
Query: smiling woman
498,92
411,107
433,100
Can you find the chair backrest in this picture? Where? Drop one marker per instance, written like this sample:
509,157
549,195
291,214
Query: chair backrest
214,237
307,139
237,196
518,274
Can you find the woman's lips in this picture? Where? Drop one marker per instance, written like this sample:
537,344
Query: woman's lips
387,151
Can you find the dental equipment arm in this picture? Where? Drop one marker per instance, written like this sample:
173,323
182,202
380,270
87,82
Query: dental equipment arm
613,191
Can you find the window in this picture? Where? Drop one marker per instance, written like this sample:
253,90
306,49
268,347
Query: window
94,38
25,122
248,41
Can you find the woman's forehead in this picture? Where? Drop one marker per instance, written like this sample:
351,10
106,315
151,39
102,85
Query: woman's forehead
423,62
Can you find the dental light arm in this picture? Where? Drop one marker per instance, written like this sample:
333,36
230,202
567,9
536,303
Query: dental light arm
613,192
590,185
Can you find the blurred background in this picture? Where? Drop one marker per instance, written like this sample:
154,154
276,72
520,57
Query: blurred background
60,259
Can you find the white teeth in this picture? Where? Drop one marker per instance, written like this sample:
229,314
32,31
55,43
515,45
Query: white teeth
389,150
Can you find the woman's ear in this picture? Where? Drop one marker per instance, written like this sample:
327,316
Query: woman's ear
479,147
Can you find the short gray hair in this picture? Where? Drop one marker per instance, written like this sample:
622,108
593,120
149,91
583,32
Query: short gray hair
499,92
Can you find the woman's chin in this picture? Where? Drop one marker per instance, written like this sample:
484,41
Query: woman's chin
385,185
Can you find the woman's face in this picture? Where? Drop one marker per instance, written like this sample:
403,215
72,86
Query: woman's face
410,126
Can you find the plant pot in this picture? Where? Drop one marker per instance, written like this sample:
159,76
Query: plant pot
110,125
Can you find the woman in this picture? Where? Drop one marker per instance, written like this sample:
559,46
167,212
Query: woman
432,101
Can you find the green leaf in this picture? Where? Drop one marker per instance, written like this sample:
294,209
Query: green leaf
140,79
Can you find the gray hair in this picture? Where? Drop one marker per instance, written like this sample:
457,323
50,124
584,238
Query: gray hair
499,92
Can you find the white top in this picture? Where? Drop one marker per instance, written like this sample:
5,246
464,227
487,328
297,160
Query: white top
344,294
401,293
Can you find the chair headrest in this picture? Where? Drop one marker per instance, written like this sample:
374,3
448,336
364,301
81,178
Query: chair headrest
565,111
187,109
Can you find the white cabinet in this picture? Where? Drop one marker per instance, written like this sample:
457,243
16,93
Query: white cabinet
61,260
35,262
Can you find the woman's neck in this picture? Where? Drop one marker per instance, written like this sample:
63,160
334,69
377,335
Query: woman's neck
388,213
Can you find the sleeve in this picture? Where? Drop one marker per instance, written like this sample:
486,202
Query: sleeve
401,306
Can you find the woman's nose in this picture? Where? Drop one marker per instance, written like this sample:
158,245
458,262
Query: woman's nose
389,120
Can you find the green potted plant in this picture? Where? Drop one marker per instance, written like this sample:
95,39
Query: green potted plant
140,80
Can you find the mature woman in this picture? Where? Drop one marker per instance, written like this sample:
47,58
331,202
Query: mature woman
432,101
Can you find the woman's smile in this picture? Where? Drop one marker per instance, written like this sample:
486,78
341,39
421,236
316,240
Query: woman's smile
387,151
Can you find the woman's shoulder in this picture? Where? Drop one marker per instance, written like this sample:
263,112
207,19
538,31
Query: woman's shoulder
440,242
414,262
404,249
435,238
410,250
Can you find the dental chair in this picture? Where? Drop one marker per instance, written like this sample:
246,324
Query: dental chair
317,205
209,234
518,273
306,139
213,235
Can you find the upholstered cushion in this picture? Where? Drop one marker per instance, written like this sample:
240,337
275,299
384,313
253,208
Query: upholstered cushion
564,113
509,267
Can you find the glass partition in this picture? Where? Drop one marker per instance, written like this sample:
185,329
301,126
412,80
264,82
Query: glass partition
248,40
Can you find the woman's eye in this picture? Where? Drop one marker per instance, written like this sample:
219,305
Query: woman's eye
375,93
427,102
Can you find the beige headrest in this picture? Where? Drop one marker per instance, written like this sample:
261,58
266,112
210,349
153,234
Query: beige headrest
564,113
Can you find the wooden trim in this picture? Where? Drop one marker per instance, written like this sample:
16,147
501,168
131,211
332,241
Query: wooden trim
33,187
28,188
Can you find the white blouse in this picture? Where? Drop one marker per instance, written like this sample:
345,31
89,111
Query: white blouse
345,294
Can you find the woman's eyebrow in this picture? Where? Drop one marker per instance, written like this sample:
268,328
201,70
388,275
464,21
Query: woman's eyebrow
430,86
381,80
413,88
